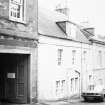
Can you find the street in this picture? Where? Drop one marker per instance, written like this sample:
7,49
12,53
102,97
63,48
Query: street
86,103
74,102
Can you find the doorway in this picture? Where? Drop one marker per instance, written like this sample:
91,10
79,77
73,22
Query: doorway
14,77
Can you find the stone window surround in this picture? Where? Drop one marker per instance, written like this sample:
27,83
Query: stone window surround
22,18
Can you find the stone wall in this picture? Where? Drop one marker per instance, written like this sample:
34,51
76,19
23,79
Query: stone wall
27,29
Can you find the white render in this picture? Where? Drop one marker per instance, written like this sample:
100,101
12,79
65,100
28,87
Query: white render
82,60
49,72
99,69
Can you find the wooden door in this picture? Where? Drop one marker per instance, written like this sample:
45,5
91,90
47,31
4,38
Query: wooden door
16,80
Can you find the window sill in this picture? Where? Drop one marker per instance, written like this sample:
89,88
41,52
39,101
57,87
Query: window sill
18,21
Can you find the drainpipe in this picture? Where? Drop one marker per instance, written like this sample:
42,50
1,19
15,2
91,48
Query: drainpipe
81,74
79,81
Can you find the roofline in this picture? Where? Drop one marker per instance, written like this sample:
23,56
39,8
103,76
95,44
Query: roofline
77,26
88,31
67,21
55,36
61,28
97,41
64,38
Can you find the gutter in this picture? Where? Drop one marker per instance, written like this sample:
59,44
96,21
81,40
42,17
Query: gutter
97,41
64,38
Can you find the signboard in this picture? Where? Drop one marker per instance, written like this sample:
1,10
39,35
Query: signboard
11,75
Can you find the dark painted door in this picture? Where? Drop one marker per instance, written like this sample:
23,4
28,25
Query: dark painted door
15,79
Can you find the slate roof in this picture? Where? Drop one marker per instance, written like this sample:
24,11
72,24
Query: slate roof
97,39
52,23
47,23
86,33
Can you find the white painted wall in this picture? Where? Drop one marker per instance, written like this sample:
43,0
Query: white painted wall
99,69
49,71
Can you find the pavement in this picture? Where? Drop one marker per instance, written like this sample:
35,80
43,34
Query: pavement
72,99
61,102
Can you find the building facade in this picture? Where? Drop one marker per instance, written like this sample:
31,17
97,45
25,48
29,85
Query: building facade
49,60
64,57
18,51
99,61
68,57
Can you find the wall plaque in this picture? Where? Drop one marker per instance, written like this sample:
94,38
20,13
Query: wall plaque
11,75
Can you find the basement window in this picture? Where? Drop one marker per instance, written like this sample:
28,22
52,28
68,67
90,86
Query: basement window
16,10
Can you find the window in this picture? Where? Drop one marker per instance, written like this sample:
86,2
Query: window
84,56
100,81
90,78
62,86
57,87
73,56
99,58
104,58
72,84
91,87
16,10
76,84
60,56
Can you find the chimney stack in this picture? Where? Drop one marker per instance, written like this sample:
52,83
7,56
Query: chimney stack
62,9
86,25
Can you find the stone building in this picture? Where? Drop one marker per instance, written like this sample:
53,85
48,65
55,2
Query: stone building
18,51
45,56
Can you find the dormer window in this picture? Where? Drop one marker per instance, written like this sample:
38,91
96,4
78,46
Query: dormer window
16,10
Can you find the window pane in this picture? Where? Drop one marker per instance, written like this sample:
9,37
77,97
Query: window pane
60,56
16,10
57,87
73,56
